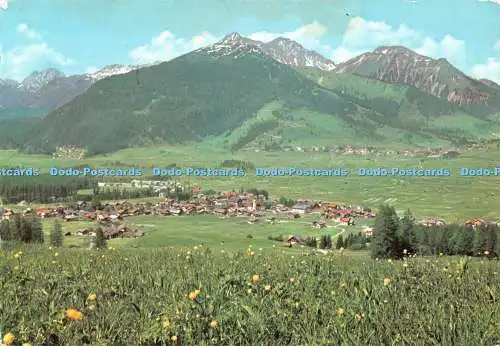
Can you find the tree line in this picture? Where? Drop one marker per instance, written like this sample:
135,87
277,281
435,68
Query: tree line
41,189
396,236
25,229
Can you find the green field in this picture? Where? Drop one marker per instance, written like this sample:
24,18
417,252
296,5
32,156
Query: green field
141,297
453,198
216,232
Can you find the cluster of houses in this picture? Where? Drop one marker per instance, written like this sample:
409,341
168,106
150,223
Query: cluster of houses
432,222
114,229
345,214
227,204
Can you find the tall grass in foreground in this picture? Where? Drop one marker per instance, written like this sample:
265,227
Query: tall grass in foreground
195,297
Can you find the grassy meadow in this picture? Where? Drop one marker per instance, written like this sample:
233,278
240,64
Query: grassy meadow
201,297
232,233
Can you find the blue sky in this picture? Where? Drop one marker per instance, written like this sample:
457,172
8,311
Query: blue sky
77,36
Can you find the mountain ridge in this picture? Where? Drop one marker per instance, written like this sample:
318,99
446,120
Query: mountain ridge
239,92
398,64
50,88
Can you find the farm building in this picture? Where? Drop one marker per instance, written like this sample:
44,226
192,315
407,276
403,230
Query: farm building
292,240
301,208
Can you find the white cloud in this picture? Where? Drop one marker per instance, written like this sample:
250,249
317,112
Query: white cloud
362,35
489,70
341,54
20,61
493,1
449,48
29,33
91,69
308,35
167,46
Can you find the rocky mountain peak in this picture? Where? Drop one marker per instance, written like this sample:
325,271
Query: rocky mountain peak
396,64
290,52
38,79
394,50
281,49
232,37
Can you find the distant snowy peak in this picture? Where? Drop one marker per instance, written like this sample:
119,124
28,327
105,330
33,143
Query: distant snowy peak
111,70
234,45
289,52
283,50
38,79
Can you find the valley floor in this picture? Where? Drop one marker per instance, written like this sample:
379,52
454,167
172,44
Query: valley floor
454,198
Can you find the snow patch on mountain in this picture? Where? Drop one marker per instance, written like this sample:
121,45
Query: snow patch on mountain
111,70
284,51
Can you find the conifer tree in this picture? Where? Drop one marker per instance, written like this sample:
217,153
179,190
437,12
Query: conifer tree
56,234
385,242
340,242
407,235
100,239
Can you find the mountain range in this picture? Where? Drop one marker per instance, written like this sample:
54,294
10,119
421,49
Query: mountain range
49,89
241,93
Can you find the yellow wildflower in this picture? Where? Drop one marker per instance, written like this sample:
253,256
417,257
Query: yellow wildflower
17,255
197,292
74,315
8,339
92,297
360,317
267,287
255,278
292,280
174,338
340,312
214,324
387,281
193,295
